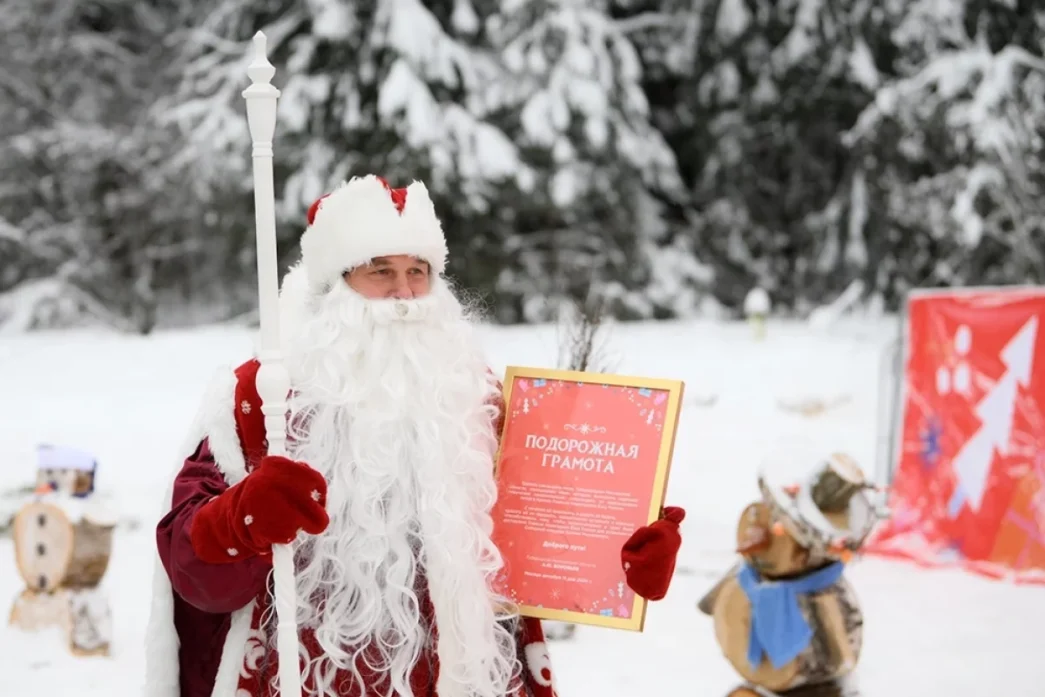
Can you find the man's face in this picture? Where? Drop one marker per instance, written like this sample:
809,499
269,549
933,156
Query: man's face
400,276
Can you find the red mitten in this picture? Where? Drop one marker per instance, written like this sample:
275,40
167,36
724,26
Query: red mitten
649,555
275,501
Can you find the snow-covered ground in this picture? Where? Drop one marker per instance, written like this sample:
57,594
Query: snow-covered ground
129,400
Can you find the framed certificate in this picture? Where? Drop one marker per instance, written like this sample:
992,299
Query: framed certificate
583,463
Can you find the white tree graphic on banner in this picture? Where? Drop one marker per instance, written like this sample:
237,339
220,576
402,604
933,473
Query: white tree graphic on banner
996,410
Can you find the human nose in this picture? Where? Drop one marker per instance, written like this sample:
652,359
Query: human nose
402,290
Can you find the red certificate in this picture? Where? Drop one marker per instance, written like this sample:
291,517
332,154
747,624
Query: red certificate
584,463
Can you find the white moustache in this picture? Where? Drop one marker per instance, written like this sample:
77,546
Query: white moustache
392,310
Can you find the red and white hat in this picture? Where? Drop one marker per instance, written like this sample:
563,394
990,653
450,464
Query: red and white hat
365,218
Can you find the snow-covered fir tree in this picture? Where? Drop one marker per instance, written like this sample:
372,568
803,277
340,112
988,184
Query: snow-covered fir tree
91,210
526,119
383,87
755,98
656,156
950,158
595,211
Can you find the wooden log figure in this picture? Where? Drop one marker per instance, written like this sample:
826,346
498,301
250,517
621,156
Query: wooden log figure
831,615
82,615
784,616
765,543
34,611
90,623
54,548
62,549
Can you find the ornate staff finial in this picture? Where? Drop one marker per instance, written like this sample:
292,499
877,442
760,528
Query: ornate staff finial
273,380
260,70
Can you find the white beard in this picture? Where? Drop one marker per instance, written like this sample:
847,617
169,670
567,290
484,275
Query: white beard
393,405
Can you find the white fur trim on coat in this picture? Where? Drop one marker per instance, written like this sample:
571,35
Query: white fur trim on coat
358,221
215,421
234,652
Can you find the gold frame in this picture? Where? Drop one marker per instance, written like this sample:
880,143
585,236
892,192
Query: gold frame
675,389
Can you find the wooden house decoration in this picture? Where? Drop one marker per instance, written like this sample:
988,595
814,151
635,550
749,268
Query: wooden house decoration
63,541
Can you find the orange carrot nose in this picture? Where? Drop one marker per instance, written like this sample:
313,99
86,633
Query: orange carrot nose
43,489
839,549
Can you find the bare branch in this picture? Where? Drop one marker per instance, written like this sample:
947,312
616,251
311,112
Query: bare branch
581,325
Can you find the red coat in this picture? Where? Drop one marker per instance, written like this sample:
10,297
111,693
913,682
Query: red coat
222,640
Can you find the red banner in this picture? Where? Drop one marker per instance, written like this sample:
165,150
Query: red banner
969,487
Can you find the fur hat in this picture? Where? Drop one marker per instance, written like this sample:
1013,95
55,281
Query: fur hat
365,218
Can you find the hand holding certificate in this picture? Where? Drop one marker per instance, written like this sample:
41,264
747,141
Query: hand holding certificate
581,477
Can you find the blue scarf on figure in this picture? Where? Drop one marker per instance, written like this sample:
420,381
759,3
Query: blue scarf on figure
778,628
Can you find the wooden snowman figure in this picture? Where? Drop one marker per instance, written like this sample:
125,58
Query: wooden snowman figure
63,540
784,616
